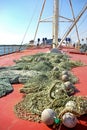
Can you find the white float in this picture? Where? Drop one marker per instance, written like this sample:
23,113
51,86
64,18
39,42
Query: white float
69,120
48,116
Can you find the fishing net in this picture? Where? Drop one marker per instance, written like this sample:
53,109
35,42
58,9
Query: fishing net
5,87
48,83
48,89
32,106
83,48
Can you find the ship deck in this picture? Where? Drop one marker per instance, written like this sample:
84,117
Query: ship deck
8,119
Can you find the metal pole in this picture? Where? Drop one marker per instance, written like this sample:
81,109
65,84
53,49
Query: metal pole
55,23
73,24
39,18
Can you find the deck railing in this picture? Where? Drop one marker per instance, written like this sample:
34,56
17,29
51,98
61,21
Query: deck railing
8,49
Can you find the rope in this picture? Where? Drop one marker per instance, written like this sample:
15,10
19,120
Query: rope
80,24
82,21
33,14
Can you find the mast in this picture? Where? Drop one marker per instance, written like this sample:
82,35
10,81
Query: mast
73,24
55,23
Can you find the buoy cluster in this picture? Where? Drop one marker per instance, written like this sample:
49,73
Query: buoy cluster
68,85
68,119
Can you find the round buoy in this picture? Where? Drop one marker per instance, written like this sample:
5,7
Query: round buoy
69,120
48,116
68,85
64,77
65,72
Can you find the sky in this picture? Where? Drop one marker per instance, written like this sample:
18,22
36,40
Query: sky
20,17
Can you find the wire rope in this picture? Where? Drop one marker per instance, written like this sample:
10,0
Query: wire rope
80,24
82,21
33,14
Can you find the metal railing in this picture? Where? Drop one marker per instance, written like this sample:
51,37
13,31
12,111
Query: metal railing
8,49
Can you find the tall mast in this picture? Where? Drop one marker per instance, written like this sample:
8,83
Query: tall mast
55,23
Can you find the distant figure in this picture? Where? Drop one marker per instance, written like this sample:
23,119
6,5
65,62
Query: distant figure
38,41
74,45
37,44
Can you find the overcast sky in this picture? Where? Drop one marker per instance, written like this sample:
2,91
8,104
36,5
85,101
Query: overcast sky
17,15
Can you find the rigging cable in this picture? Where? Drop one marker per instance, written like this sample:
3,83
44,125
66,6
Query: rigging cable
82,21
75,24
80,24
33,14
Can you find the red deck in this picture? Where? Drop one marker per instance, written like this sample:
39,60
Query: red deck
9,121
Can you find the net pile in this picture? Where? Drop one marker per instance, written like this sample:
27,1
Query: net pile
47,89
83,48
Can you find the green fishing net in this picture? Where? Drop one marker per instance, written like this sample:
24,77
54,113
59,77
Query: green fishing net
48,83
5,87
83,48
47,89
